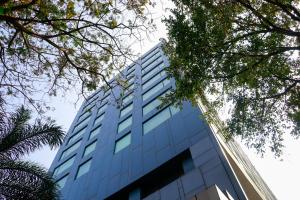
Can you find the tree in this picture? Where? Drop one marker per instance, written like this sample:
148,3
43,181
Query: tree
242,53
21,179
51,46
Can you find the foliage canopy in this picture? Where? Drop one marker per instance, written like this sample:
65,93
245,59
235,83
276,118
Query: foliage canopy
49,46
244,53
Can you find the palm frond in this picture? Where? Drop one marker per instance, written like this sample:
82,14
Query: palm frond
25,180
19,138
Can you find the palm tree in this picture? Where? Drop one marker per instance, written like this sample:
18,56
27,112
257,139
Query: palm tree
19,179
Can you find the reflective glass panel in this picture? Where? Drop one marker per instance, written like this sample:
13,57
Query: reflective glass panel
151,65
61,168
101,109
128,98
150,55
83,168
90,148
153,80
84,115
61,182
123,142
95,132
76,135
70,150
82,124
126,110
156,120
152,91
152,72
125,124
98,119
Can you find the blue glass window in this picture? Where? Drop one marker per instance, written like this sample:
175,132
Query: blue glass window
95,132
64,166
61,182
76,135
155,89
125,124
70,150
153,80
159,118
126,110
90,148
83,168
123,142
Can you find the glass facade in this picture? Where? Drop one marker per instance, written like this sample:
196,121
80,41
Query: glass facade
61,182
137,145
123,142
102,109
90,148
152,72
83,168
125,124
128,98
98,119
84,115
153,105
159,118
126,110
155,78
155,89
64,166
151,59
82,124
70,150
95,132
76,136
129,89
149,55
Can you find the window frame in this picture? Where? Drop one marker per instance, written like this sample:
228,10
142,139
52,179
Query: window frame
158,96
161,75
71,158
73,144
127,118
128,105
119,139
82,164
77,132
149,55
94,129
88,145
170,113
64,177
131,100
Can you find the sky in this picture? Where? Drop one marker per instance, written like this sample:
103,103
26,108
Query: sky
281,175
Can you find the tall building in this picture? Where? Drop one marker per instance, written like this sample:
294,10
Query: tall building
141,151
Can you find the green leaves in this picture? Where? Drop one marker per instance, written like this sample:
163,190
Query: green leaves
70,10
22,179
59,45
239,53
